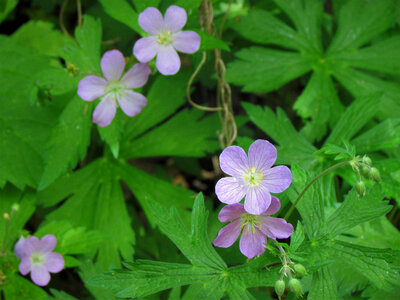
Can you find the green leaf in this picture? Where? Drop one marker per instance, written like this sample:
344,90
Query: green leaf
293,146
263,70
341,153
112,133
383,136
372,18
209,42
171,138
354,118
188,4
323,285
20,288
297,237
6,7
68,141
262,27
123,12
356,210
141,5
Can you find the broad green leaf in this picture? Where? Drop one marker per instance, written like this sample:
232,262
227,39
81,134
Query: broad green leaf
294,148
19,287
297,237
374,264
68,141
6,7
141,5
212,289
61,295
356,210
306,16
123,12
319,101
209,42
323,285
354,118
112,133
262,27
259,69
360,21
384,135
382,56
188,4
41,36
171,138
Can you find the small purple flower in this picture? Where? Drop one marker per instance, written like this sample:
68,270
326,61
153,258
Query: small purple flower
165,38
255,228
114,88
252,176
37,257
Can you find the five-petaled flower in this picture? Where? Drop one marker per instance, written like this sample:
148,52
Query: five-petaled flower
115,89
37,257
255,228
252,176
165,38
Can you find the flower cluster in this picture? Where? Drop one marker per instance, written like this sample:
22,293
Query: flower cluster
114,89
252,178
38,259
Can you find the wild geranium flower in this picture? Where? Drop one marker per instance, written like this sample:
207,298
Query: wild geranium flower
165,38
38,259
252,176
255,228
113,89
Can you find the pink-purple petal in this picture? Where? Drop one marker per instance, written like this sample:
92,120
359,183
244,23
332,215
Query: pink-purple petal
112,64
105,111
257,200
54,262
145,49
262,155
274,207
168,61
132,103
19,248
31,244
25,265
252,244
229,190
233,161
279,228
277,179
186,41
175,18
231,212
47,243
228,234
92,87
151,20
136,76
40,275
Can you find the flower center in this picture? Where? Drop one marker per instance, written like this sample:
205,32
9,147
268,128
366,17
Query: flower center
165,38
250,221
253,177
115,88
37,258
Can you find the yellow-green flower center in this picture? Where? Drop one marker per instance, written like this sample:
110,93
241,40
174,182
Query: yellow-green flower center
37,258
250,221
165,38
115,89
253,177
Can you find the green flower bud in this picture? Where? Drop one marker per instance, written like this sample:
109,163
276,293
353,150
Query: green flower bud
279,288
299,268
295,287
15,207
374,173
366,172
360,188
366,160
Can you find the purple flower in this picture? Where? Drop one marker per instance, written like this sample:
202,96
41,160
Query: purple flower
252,176
114,88
165,38
255,228
37,257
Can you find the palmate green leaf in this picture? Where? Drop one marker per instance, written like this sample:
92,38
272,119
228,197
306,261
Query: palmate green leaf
323,285
293,146
372,18
23,127
171,138
263,70
356,210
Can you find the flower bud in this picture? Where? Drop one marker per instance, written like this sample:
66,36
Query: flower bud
375,176
299,268
279,288
366,172
366,160
15,207
6,216
360,188
295,287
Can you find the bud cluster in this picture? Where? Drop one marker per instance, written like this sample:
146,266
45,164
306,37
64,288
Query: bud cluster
363,167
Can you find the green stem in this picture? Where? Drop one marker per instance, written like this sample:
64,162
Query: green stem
290,211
